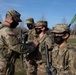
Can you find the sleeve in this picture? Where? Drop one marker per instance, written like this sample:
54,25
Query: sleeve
72,62
11,41
49,43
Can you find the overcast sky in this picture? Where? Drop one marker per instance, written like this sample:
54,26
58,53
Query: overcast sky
54,11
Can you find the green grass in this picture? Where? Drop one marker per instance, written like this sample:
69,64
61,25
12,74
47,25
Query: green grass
72,41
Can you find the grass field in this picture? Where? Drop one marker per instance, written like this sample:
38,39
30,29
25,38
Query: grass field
72,41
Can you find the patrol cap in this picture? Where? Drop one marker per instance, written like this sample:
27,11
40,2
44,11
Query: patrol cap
41,23
30,20
60,28
46,23
16,15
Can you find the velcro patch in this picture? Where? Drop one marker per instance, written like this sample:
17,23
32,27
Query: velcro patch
11,33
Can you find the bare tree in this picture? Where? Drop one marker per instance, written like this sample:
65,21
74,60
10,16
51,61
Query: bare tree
21,24
64,21
20,28
1,19
43,17
74,29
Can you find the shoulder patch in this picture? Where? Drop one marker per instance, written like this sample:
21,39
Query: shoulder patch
11,33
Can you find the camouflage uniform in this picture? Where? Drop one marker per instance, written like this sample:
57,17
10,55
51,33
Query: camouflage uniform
31,35
29,60
64,58
8,42
40,55
31,32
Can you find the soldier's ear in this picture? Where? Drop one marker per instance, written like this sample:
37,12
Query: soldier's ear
66,36
9,19
43,28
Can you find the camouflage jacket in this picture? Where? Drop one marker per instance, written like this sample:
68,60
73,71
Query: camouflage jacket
40,51
8,42
64,60
31,35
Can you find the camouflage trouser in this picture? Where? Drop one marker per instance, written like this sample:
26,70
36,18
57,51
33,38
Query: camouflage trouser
31,67
2,68
41,69
64,72
10,69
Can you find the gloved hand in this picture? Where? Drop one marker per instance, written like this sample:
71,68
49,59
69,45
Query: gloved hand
48,70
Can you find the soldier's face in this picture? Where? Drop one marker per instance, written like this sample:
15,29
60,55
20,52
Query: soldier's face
59,38
30,26
64,36
14,24
38,29
57,34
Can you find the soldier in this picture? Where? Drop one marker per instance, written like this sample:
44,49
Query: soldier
29,60
50,34
63,54
43,39
31,32
9,44
8,40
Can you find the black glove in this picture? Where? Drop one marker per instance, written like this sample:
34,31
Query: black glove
48,70
51,70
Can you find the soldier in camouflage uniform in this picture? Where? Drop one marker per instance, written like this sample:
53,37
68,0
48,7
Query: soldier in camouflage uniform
31,32
30,63
8,40
64,54
43,39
